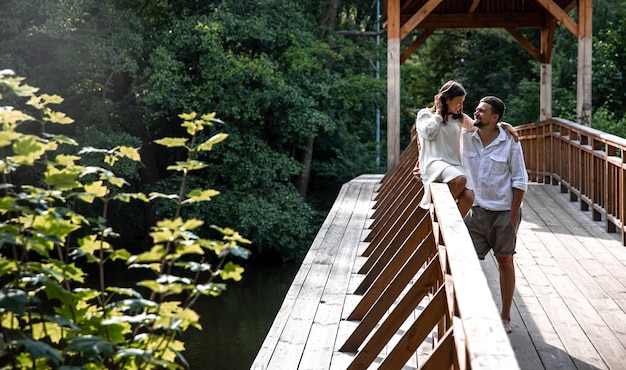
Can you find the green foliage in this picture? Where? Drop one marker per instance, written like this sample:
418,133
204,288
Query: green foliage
52,316
606,120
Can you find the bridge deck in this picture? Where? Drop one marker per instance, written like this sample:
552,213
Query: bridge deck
569,307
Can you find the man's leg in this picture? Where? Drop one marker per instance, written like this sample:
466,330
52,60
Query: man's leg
507,284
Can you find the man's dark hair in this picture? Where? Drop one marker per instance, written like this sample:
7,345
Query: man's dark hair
497,105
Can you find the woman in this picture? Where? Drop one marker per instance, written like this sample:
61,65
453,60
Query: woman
439,130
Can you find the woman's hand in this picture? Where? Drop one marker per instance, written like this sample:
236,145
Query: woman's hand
510,130
416,171
438,105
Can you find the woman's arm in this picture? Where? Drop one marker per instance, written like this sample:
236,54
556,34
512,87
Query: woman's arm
427,123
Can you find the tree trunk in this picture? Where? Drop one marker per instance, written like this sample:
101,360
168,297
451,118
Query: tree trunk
327,26
303,180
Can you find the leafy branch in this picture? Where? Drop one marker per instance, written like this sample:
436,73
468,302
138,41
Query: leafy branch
50,316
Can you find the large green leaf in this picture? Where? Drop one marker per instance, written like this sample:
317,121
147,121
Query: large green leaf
40,349
13,300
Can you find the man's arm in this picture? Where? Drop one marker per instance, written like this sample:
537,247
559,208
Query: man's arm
518,195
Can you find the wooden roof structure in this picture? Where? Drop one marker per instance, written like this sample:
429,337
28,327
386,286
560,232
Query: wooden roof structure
403,17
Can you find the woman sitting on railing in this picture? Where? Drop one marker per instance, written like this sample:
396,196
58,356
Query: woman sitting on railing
439,130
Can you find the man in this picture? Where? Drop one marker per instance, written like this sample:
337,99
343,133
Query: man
495,164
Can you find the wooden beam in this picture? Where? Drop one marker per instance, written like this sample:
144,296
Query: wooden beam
475,20
393,83
558,13
583,77
418,17
547,41
545,92
415,45
474,5
530,48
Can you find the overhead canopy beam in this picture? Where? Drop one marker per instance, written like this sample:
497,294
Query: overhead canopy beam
418,17
558,13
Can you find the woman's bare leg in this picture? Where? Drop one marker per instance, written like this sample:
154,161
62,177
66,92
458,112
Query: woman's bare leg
464,196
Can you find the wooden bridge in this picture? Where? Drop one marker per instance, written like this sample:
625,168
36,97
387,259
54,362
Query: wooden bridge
387,285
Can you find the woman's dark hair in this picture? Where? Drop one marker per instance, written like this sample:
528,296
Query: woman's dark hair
450,90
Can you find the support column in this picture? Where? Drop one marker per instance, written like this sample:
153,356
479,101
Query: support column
583,78
545,92
393,84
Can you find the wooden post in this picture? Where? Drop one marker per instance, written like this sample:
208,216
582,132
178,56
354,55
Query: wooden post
393,84
545,92
583,78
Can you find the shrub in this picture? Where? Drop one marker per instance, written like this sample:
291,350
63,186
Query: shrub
53,313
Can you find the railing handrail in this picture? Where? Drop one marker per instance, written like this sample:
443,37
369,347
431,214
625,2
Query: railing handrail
588,163
486,342
408,250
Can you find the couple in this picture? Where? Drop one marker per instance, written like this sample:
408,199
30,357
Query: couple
488,181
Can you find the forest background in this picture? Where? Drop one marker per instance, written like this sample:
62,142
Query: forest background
295,83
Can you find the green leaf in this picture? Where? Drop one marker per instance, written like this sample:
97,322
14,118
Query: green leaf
127,197
90,244
7,137
160,288
22,90
155,195
91,347
27,150
124,291
208,145
130,153
173,142
63,271
40,349
62,179
169,279
13,300
57,117
62,322
231,271
52,99
188,248
120,254
194,266
156,253
188,116
50,330
62,139
7,266
187,166
199,195
211,289
96,189
143,318
135,305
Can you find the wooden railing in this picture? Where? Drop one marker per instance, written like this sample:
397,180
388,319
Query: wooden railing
425,260
588,163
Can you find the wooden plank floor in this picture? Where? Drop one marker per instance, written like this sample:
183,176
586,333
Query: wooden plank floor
569,307
570,301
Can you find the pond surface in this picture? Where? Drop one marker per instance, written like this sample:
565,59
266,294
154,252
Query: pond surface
236,323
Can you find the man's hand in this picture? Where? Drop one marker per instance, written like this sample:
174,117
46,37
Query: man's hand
514,216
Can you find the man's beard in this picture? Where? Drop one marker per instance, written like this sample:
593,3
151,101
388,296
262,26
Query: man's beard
478,123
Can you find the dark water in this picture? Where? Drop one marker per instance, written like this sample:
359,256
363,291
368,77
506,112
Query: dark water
236,323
